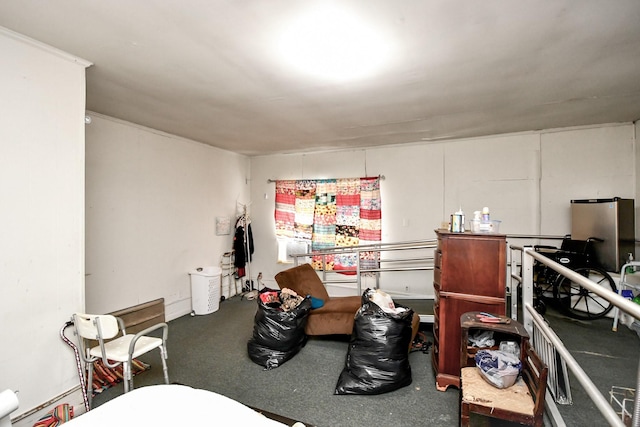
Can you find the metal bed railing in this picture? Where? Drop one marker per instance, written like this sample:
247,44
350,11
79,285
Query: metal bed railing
535,325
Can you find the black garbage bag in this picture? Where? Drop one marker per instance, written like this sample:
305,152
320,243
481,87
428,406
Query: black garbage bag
378,356
278,333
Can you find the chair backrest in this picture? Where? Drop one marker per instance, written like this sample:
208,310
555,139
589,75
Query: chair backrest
96,326
578,246
304,280
535,373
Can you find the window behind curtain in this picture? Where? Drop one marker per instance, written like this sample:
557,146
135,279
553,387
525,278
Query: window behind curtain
329,213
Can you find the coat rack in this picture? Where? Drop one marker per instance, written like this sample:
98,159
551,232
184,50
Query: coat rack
247,247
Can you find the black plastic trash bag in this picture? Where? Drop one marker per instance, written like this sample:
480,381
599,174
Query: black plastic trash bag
378,356
278,334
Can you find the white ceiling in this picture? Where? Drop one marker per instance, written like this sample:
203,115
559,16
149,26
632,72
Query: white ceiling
208,70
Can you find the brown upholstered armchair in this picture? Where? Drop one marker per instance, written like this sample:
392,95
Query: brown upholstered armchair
337,314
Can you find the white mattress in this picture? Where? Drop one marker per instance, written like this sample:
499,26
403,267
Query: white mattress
172,405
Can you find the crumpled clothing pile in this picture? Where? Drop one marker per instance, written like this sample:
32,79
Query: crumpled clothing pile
285,299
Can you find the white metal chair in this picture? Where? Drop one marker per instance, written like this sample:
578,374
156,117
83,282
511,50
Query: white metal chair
113,349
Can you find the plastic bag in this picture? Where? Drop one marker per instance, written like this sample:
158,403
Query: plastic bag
378,356
482,338
499,368
278,334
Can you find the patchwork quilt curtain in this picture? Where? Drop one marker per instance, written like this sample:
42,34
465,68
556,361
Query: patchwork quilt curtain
331,213
285,213
370,220
324,223
347,221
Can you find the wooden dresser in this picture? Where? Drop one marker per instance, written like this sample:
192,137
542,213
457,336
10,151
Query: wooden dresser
469,275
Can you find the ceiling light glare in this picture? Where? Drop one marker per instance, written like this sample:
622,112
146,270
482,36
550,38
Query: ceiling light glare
330,43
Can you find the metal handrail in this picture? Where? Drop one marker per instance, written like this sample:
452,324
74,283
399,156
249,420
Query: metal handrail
592,391
530,316
624,304
421,263
408,245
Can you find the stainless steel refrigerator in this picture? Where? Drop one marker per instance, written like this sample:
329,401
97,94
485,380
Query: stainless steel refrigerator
611,220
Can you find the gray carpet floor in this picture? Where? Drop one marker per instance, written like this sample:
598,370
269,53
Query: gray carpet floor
210,352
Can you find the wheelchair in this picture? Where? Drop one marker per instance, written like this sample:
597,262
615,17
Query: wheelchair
571,298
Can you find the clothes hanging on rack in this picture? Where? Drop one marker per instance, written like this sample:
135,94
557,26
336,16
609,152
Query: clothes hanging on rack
242,245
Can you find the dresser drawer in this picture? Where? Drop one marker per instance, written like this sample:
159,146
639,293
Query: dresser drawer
437,278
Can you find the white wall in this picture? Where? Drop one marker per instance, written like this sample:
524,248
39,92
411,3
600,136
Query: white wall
152,201
41,216
526,179
584,164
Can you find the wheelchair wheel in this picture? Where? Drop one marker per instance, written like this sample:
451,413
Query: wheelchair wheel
544,282
540,306
578,302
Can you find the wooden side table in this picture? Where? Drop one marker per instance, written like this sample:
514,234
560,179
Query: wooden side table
511,331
